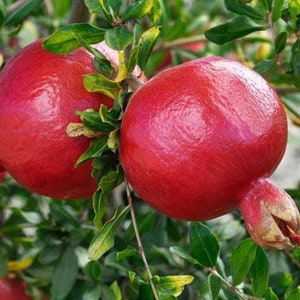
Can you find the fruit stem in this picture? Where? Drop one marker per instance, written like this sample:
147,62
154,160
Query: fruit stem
139,240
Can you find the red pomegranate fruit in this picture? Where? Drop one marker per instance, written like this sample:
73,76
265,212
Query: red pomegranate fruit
200,139
13,289
40,92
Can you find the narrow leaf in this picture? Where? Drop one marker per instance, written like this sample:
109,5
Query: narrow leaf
259,273
183,254
240,8
118,38
21,13
276,12
138,9
205,247
235,28
146,44
280,41
104,240
100,207
294,295
64,274
295,62
215,285
69,37
241,260
99,83
155,12
270,295
128,252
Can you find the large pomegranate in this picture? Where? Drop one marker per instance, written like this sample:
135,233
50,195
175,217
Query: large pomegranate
201,139
13,289
39,94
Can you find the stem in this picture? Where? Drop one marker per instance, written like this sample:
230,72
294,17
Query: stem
139,241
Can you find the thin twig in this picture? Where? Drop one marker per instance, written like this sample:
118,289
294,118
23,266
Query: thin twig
139,241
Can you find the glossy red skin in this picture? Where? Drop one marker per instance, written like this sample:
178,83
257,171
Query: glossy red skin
196,135
13,289
39,95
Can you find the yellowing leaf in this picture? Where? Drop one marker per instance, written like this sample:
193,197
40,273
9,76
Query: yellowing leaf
20,265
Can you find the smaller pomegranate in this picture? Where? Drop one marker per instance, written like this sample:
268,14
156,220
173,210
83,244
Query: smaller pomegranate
200,139
13,289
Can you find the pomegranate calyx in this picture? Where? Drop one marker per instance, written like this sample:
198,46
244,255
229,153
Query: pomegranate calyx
271,216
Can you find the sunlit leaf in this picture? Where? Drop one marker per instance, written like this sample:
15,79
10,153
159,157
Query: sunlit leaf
137,9
69,37
104,240
276,11
118,38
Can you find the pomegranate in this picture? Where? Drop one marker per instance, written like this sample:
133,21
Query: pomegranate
13,289
200,139
40,92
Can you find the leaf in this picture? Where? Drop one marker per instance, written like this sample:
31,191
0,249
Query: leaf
116,290
215,285
183,254
96,149
49,254
294,294
64,274
265,66
69,37
156,12
235,28
104,240
22,12
146,44
240,8
259,273
276,11
204,245
241,260
294,9
295,62
128,252
270,295
100,84
118,38
111,180
137,10
280,41
3,262
91,120
172,285
100,207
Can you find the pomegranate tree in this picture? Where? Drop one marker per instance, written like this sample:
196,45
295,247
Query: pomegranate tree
201,139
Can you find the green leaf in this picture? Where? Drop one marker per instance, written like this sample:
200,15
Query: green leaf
96,148
116,290
113,139
259,273
295,62
100,207
128,252
240,8
265,66
50,254
22,12
183,254
109,116
101,84
270,295
104,240
204,245
91,120
280,41
241,260
172,285
276,11
294,295
156,12
3,261
93,6
294,9
69,37
137,9
64,274
215,285
235,28
111,180
118,38
146,44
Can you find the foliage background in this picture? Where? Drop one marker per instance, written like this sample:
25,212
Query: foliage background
45,241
